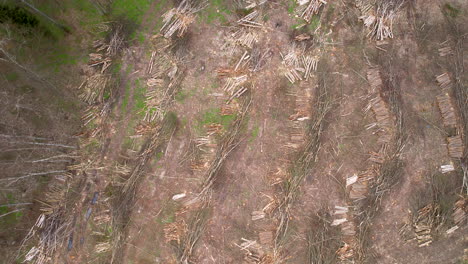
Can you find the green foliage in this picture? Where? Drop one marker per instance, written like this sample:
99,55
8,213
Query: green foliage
18,16
54,10
131,9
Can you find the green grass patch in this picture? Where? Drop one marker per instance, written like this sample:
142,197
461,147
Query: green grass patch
93,145
8,156
39,121
66,105
89,13
171,120
451,11
314,23
139,97
106,95
181,96
62,58
131,9
46,44
216,11
168,213
141,37
9,219
213,116
254,133
302,24
125,99
329,14
162,4
116,67
291,6
159,155
297,25
160,7
12,76
46,51
184,94
127,143
26,89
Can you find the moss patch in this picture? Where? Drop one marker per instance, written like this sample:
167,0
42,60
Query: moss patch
211,116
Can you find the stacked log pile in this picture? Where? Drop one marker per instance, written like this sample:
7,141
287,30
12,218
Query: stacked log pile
298,64
424,224
308,8
178,19
344,219
455,145
361,187
447,110
379,17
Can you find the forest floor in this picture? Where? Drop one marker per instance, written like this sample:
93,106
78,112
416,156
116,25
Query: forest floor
253,135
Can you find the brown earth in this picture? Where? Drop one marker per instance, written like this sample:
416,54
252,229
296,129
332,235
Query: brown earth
243,184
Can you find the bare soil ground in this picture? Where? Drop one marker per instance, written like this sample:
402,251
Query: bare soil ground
209,180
